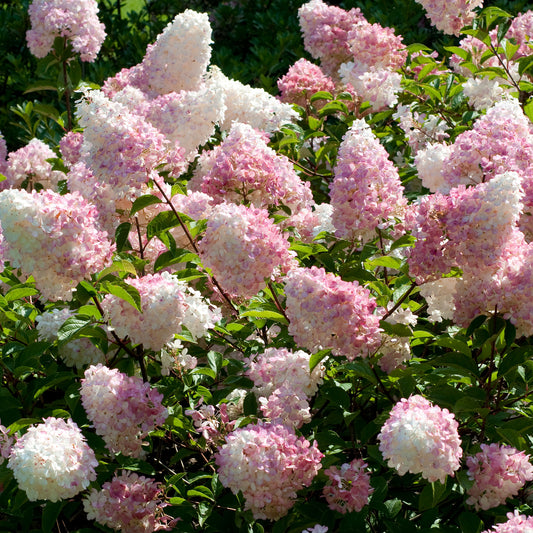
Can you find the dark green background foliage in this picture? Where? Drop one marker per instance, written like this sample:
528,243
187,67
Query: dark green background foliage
255,41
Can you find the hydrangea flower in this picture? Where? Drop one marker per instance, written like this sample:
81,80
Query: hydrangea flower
30,164
167,305
498,472
302,80
6,443
52,461
77,352
122,408
326,312
278,366
244,169
242,246
348,488
250,105
129,502
516,523
269,464
53,237
325,32
421,438
122,148
77,21
366,192
452,15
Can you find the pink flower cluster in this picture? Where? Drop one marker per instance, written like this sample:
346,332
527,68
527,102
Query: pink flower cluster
52,461
326,312
283,384
30,164
122,409
3,155
53,237
167,305
6,443
77,21
498,472
244,169
129,502
212,425
325,32
302,80
469,228
276,367
348,488
242,247
120,147
269,464
450,16
516,523
70,147
421,438
366,192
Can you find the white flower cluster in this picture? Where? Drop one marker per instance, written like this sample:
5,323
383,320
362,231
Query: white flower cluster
429,162
483,92
180,56
440,297
77,352
379,86
250,105
52,461
188,117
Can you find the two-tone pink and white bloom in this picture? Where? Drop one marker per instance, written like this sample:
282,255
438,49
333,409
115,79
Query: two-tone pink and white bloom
129,502
421,438
75,20
123,409
52,461
348,488
498,473
269,464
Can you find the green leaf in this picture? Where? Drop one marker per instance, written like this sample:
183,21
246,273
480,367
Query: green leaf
384,261
479,34
431,495
118,267
19,292
316,358
525,64
121,235
457,360
71,326
321,95
50,515
124,291
470,523
417,47
461,52
50,382
454,344
333,107
41,85
528,109
395,330
272,315
200,492
144,201
47,110
161,222
513,359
